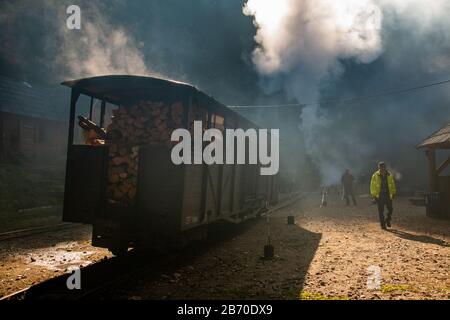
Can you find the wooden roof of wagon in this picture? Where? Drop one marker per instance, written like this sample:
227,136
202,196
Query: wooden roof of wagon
127,90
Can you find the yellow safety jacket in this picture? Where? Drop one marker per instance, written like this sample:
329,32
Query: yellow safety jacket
375,185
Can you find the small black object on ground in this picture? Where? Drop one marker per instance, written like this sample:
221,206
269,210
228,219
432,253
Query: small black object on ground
291,220
269,251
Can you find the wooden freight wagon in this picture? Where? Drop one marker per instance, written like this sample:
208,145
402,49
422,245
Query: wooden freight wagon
125,184
438,199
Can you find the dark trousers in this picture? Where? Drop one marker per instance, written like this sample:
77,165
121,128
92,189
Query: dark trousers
348,192
382,202
347,198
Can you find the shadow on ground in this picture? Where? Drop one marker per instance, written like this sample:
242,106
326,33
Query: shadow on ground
419,238
230,265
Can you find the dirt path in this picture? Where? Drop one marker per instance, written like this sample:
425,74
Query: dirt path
33,259
325,256
413,257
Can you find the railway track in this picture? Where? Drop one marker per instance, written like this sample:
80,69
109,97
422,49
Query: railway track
99,277
32,231
95,278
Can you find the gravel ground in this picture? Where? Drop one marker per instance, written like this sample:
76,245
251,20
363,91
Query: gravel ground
329,254
33,259
413,256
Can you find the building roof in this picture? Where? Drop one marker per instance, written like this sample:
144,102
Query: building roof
438,140
22,98
128,90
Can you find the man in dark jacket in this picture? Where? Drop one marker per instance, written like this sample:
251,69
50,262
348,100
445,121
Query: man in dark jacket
347,185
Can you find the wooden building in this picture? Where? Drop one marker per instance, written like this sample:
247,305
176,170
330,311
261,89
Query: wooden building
33,122
438,199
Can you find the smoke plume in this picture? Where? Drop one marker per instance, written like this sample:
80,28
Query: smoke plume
205,43
101,49
317,49
102,46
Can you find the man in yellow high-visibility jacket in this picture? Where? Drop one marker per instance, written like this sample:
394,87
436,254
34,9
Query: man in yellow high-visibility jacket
382,189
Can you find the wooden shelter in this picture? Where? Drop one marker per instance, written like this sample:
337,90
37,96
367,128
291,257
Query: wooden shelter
438,200
29,118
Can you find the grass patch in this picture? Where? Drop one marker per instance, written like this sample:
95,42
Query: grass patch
291,294
305,295
388,288
445,290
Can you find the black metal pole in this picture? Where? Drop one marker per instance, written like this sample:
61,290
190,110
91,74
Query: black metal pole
73,102
102,114
91,107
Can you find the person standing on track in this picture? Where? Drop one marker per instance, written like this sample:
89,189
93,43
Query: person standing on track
383,191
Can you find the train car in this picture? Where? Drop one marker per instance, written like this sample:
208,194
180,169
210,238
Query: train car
124,183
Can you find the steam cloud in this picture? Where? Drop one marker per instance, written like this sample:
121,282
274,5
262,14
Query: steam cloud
101,50
187,41
307,37
100,47
304,45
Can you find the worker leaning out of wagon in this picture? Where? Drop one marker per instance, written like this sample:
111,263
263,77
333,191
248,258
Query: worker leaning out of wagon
383,191
92,133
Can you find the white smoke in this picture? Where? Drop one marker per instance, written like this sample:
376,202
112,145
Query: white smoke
99,48
309,36
102,46
425,18
301,44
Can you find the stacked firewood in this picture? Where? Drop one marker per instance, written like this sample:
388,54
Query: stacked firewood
197,114
147,123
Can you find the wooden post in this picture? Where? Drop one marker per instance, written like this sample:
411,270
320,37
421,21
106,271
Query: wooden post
443,166
431,155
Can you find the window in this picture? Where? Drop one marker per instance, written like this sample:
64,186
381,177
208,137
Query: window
218,122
